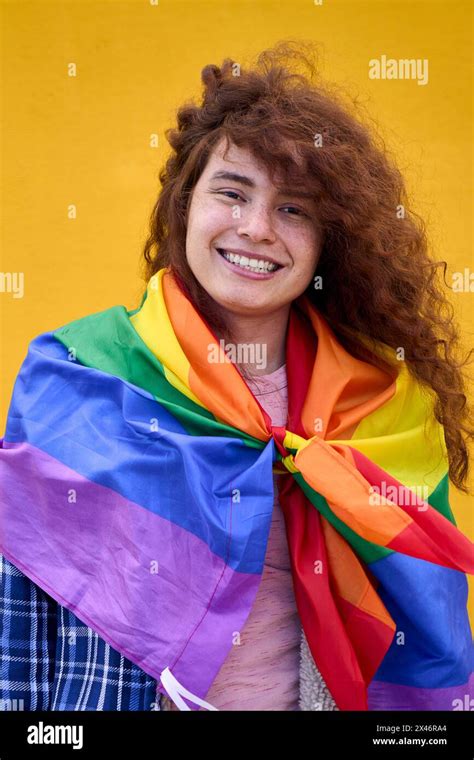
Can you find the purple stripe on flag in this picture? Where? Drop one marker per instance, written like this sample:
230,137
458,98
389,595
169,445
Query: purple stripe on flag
154,591
391,696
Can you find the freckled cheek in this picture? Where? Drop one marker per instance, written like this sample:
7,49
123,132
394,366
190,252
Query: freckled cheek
210,220
304,249
205,227
218,221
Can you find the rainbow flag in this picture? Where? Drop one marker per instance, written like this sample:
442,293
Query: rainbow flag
137,472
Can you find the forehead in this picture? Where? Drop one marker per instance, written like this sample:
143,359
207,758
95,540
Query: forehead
242,160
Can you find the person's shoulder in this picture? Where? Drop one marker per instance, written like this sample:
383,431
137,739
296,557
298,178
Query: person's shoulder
61,342
84,323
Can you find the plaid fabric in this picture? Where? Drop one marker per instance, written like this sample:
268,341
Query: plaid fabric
50,660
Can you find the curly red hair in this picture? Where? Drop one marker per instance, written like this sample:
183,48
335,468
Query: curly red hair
378,278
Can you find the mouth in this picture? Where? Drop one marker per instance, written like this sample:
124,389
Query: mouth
249,267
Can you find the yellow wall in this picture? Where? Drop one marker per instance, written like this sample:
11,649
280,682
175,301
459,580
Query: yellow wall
85,140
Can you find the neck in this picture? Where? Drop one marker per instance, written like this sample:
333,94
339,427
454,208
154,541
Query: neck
259,342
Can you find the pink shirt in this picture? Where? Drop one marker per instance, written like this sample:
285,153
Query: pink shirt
262,671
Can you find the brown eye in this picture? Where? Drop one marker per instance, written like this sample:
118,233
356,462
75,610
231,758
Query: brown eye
300,212
230,192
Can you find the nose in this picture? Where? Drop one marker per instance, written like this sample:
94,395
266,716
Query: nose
256,223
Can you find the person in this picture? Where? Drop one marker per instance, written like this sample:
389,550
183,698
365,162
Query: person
206,466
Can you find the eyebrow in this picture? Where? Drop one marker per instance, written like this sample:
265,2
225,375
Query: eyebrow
248,182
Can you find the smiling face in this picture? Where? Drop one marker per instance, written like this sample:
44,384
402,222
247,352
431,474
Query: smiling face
235,208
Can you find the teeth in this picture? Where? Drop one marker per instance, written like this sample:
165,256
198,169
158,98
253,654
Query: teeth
256,265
